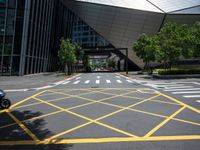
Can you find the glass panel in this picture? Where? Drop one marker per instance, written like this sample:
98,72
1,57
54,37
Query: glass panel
9,31
195,10
2,30
134,4
8,45
2,3
6,65
15,65
11,3
173,5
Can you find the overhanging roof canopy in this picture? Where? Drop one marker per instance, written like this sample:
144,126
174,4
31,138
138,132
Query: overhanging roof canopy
161,6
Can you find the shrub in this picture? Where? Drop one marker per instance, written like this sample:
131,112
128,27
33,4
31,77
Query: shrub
179,72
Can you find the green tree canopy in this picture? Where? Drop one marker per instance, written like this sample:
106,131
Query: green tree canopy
196,39
66,53
146,48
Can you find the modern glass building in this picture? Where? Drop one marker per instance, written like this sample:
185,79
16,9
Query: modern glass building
30,30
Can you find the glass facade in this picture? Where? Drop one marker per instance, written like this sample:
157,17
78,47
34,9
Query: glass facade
11,20
30,30
25,31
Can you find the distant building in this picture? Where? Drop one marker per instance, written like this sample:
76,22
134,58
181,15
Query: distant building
30,30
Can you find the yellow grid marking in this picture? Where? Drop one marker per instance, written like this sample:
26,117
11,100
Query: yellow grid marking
131,137
164,122
108,115
83,117
109,104
181,103
53,100
33,136
157,101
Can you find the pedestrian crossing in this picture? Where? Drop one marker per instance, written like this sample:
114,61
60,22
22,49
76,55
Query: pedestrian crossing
185,89
97,80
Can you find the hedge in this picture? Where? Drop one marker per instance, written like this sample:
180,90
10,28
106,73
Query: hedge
179,72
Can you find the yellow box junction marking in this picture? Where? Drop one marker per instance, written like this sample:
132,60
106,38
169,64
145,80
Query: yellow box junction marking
131,137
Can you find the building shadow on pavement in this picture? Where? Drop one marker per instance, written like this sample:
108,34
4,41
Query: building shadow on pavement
13,132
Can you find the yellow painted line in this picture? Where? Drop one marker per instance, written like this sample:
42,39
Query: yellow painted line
23,126
53,100
164,122
124,95
171,103
34,118
102,140
156,101
78,115
105,116
183,104
103,99
68,131
22,101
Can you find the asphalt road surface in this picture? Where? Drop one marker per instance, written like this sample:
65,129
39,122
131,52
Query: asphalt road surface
102,111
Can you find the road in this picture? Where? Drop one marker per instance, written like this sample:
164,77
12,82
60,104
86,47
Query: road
102,111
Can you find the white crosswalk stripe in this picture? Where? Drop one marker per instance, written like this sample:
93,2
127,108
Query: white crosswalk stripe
87,82
191,96
118,77
190,89
181,87
129,81
186,92
76,82
98,77
97,82
78,78
108,81
66,82
184,89
119,81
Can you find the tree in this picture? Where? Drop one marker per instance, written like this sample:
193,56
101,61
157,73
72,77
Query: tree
66,54
196,39
169,42
79,54
146,48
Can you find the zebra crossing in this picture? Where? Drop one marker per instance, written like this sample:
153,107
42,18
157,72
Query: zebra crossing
185,89
97,80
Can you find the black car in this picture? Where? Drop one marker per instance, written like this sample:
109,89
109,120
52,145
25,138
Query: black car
4,102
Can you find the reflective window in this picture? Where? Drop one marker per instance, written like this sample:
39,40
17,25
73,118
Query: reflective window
173,5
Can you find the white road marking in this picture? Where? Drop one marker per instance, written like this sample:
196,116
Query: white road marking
98,77
78,78
87,81
198,101
119,81
186,92
16,90
76,82
191,96
183,89
129,81
44,87
66,82
97,81
118,77
175,85
108,81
